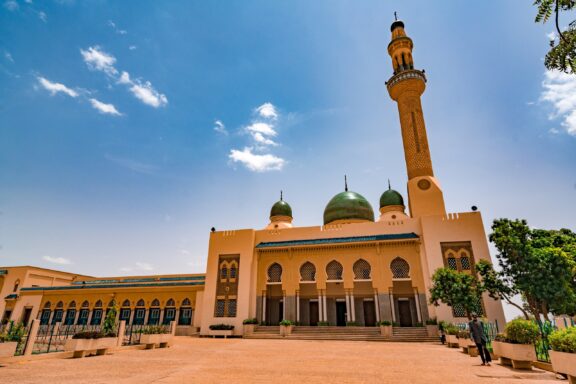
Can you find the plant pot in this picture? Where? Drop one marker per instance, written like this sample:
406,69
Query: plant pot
452,341
564,362
386,331
81,346
221,332
519,356
8,349
285,330
160,339
248,329
432,330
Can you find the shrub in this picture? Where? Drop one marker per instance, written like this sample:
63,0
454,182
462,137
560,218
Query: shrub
250,321
286,322
385,323
419,325
500,337
432,321
323,323
154,330
521,331
463,334
563,340
221,327
14,333
451,329
351,324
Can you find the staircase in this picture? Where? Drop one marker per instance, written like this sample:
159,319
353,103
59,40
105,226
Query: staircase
412,334
265,332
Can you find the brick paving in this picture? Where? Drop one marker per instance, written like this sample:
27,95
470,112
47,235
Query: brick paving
200,360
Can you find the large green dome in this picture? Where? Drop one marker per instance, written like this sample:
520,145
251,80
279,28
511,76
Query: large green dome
348,206
391,197
281,208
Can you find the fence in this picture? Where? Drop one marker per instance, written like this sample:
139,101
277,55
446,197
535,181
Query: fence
52,338
133,332
490,331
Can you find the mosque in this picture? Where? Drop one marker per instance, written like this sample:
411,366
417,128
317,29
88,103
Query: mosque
356,268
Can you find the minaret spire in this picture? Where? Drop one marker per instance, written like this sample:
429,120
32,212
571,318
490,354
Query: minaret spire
281,195
389,187
345,183
395,16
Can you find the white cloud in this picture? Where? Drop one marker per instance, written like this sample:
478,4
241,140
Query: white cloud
11,5
260,139
267,110
99,60
560,92
551,36
109,109
55,88
116,29
148,95
56,260
257,163
263,128
132,47
8,56
43,16
124,78
220,127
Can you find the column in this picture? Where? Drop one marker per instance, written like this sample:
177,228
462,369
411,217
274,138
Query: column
161,319
392,307
320,311
283,305
132,316
264,308
89,318
146,314
324,309
417,302
352,306
297,306
377,306
348,311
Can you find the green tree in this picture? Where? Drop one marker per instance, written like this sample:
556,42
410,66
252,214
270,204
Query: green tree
456,289
109,325
539,264
562,53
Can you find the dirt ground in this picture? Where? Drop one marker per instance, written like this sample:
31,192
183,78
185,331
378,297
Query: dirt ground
202,360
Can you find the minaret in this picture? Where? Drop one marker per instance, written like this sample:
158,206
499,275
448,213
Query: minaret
405,87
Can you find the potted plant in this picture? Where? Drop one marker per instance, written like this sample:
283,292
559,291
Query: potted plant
249,325
99,341
221,330
286,327
451,335
385,328
516,346
156,335
10,338
432,327
563,353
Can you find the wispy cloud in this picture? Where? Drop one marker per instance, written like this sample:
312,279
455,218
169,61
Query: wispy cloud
98,60
267,110
148,95
8,56
119,31
133,165
560,92
263,128
55,88
132,47
256,162
109,109
56,260
260,139
43,16
220,127
11,5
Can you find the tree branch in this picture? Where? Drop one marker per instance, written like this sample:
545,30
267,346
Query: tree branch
558,26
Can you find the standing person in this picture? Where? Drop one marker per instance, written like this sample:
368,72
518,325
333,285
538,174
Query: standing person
477,334
442,333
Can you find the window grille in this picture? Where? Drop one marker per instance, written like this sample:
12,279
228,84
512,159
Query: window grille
57,316
98,304
361,270
155,303
125,314
185,316
224,273
219,311
47,305
83,317
334,270
139,315
465,262
70,316
232,308
45,317
169,315
96,317
85,304
72,304
400,268
186,301
60,305
452,263
154,317
140,303
308,272
275,273
233,271
458,311
170,303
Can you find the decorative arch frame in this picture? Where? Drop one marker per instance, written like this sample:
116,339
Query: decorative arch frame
274,273
141,303
362,270
308,272
400,268
334,271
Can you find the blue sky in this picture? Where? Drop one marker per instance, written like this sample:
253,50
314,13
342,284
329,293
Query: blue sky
127,132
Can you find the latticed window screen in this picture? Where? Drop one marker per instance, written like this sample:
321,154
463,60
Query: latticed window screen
47,305
219,311
361,270
232,308
155,303
72,304
275,273
186,302
140,303
59,304
224,273
465,262
170,303
307,272
334,270
458,310
452,263
233,271
400,268
85,304
98,304
126,303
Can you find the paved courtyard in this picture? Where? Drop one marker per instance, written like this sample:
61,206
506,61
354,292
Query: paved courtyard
193,360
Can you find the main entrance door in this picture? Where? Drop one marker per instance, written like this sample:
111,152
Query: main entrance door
340,313
404,313
314,313
369,314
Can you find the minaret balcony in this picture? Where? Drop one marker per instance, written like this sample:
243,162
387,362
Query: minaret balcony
405,75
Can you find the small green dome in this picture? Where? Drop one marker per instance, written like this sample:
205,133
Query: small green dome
391,197
348,206
281,208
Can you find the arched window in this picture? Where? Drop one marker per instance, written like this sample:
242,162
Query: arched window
98,304
186,302
47,305
452,263
170,303
275,273
233,270
465,262
155,303
72,304
400,268
60,305
223,270
334,270
307,272
16,285
140,303
85,304
111,303
361,270
126,303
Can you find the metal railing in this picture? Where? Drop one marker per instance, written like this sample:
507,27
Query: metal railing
52,338
133,332
490,331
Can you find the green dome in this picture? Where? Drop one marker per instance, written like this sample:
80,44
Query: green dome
281,208
348,206
391,197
